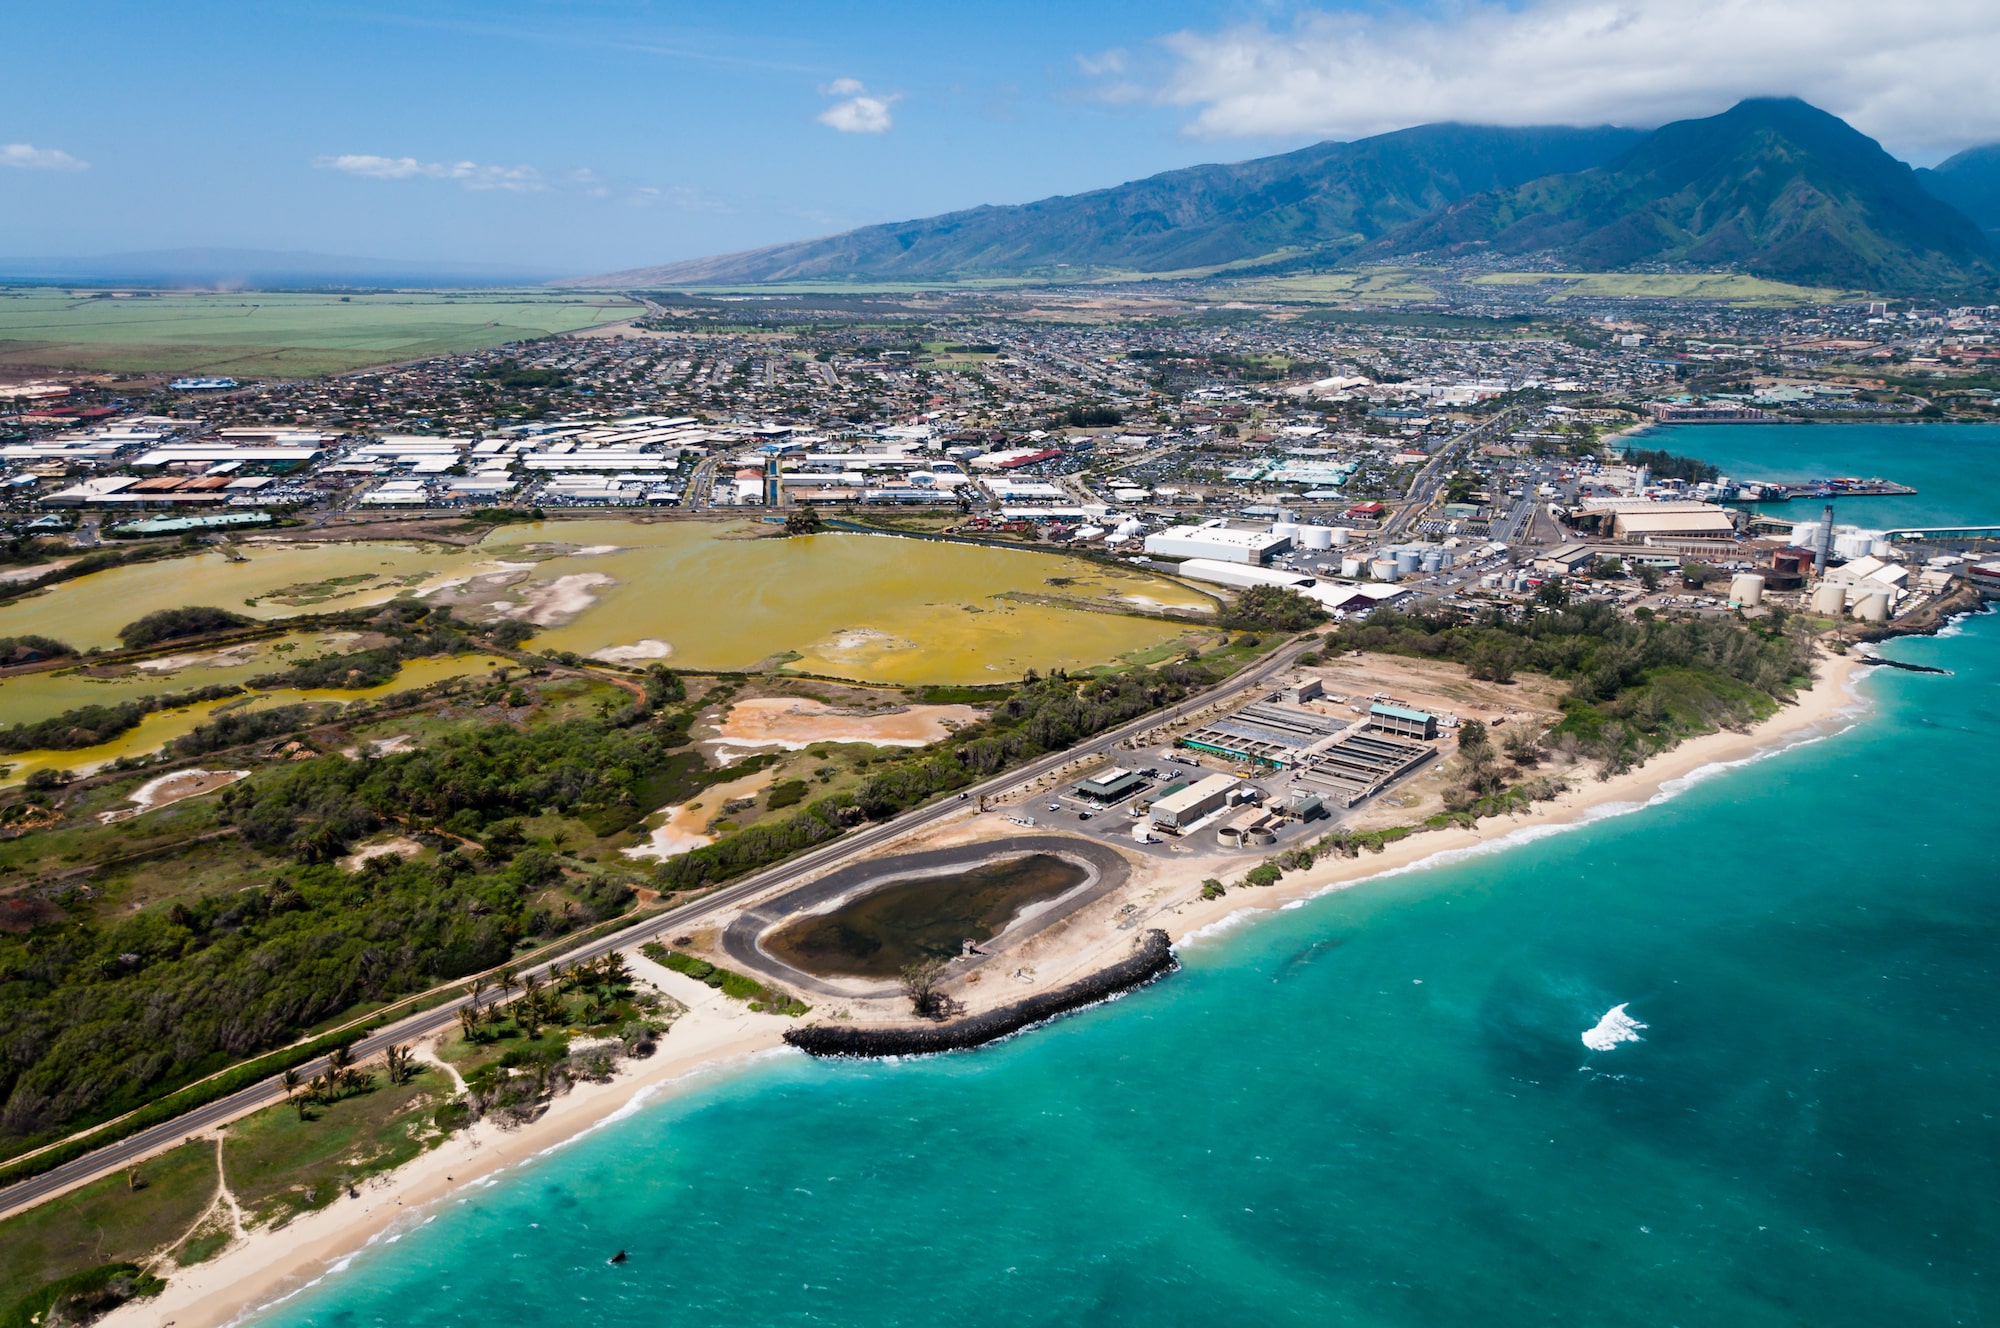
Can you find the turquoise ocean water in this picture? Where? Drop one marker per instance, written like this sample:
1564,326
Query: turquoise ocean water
1377,1109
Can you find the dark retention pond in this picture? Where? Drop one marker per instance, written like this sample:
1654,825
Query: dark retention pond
875,935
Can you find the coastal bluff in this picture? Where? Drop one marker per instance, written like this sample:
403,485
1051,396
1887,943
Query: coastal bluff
1152,957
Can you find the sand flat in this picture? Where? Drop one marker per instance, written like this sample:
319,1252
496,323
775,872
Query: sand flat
792,723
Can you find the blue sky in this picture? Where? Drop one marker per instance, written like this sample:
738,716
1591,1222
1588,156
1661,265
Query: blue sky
597,134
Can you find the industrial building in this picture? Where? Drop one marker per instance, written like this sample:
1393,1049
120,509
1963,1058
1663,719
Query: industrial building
1110,785
1179,810
1402,721
1361,765
1215,540
1265,733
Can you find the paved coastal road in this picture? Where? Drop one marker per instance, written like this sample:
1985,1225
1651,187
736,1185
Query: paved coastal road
116,1156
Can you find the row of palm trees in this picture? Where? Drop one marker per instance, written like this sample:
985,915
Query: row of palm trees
342,1078
540,1002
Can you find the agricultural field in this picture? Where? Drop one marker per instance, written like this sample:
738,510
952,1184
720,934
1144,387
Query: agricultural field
1727,286
277,334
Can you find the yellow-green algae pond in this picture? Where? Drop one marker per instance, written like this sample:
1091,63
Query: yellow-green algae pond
698,595
33,696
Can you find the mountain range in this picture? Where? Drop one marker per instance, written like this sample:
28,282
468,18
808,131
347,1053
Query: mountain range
1772,187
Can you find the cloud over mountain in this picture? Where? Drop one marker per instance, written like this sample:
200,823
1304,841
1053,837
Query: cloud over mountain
1918,77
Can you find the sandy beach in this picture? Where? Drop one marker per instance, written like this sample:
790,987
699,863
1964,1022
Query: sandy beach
717,1033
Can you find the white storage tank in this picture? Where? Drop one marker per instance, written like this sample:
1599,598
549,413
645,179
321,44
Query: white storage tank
1805,535
1872,605
1340,537
1829,599
1881,548
1285,530
1350,568
1316,537
1852,544
1433,562
1491,581
1407,562
1383,569
1746,589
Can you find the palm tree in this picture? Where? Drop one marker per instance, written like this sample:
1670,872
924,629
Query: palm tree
468,1021
507,981
614,970
399,1063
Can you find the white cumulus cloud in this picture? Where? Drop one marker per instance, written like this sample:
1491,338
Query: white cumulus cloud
470,174
858,111
28,157
1917,75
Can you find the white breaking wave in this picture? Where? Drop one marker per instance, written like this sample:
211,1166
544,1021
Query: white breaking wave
1615,1027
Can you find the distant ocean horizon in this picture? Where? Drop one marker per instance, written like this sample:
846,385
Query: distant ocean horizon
1728,1058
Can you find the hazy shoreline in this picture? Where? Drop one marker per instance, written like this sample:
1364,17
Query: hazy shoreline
270,1266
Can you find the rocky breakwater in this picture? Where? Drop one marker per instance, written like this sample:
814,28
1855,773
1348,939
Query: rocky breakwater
1151,957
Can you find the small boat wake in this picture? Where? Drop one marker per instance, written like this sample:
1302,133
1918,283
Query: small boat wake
1615,1027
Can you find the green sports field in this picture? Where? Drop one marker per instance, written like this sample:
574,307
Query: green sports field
286,334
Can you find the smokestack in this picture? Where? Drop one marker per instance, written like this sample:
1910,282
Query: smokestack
1825,548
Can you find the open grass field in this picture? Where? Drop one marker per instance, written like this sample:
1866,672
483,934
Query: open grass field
107,1220
1374,286
1731,287
277,334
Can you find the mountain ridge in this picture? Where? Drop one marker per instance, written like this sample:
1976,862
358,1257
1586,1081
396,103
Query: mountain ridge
1773,187
1320,201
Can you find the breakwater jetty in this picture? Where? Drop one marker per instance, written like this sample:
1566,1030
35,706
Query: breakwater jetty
1150,958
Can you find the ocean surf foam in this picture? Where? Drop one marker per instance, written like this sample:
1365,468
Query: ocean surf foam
1615,1027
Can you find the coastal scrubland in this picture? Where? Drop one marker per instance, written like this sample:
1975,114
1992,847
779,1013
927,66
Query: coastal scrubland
377,849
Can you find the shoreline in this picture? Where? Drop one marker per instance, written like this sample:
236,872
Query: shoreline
717,1035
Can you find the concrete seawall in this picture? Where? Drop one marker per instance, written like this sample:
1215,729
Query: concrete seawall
1153,957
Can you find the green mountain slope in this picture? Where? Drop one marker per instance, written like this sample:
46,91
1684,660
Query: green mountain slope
1315,204
1772,187
1970,182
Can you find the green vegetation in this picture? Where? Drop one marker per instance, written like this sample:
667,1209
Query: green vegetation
28,649
83,1296
1271,609
732,984
1092,417
124,1216
239,973
173,624
789,793
505,516
295,334
1635,687
510,374
1666,466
